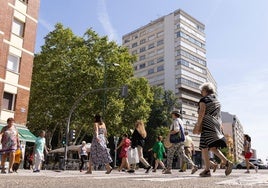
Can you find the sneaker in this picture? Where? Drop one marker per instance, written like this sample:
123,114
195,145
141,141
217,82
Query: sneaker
194,169
229,168
148,169
154,170
131,171
247,172
205,173
167,171
36,171
181,170
3,172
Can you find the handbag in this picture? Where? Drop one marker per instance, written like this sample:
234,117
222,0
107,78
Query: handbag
132,155
178,137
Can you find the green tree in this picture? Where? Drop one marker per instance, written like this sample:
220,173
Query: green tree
67,67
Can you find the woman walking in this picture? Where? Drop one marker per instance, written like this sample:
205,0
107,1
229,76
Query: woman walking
209,126
99,153
248,154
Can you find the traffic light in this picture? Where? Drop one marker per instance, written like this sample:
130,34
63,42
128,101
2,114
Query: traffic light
63,141
72,134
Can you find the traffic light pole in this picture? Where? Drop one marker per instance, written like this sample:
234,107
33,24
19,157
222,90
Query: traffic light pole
67,133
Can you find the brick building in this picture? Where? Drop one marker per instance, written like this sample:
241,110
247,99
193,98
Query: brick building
18,25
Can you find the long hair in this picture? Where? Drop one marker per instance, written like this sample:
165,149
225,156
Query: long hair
139,125
98,119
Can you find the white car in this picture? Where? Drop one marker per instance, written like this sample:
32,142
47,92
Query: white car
256,162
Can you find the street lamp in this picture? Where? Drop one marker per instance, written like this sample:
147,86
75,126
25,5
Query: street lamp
116,139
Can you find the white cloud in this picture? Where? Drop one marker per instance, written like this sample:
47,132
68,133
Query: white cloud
105,21
46,24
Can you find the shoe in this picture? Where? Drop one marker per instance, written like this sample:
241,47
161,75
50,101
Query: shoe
164,170
256,169
3,172
89,172
247,172
148,169
109,171
215,167
194,169
131,171
181,170
205,173
167,171
10,171
229,168
154,170
36,171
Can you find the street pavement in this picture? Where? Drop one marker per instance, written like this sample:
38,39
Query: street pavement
98,179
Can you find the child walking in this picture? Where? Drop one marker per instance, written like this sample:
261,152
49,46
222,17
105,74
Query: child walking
159,150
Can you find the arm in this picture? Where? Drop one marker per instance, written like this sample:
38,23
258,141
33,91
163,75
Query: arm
201,114
96,129
121,144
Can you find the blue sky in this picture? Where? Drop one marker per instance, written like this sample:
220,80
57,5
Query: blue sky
237,44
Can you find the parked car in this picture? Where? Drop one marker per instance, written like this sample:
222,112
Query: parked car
257,162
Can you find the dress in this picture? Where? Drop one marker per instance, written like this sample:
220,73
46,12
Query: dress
159,149
124,148
99,152
9,139
212,135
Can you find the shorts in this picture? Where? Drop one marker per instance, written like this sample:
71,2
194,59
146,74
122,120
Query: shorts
248,155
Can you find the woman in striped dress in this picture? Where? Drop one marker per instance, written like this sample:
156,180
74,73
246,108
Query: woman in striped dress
209,126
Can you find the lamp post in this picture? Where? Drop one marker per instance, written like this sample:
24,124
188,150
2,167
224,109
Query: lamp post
116,139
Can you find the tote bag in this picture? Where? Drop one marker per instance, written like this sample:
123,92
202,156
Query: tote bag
132,155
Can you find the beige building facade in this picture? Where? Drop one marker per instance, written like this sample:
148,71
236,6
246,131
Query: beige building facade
171,53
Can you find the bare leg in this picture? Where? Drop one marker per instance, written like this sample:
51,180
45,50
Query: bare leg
206,158
4,157
11,161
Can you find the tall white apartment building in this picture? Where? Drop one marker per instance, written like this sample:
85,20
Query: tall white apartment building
171,53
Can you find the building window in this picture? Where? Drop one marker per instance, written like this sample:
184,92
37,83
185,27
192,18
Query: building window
13,63
134,45
142,57
142,41
142,66
8,101
160,68
150,46
18,28
160,59
142,49
160,42
150,71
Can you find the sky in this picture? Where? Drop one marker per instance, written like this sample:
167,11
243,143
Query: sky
236,43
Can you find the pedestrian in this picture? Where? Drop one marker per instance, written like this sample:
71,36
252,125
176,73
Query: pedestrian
124,145
209,125
39,148
189,150
82,155
176,131
248,154
10,143
138,140
99,153
159,151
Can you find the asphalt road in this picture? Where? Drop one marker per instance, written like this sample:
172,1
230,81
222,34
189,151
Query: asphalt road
98,179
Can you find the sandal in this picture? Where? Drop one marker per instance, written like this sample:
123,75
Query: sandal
205,173
109,171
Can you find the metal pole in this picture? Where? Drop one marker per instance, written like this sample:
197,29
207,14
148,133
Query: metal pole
104,92
116,138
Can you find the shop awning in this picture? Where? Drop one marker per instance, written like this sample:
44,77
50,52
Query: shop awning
24,134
